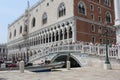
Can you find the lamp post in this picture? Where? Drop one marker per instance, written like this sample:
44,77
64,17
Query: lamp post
107,64
107,58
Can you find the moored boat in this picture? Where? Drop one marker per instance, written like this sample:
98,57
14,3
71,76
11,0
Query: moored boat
45,67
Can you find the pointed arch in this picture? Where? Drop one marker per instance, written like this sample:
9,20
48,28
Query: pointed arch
108,17
44,18
82,8
20,29
33,22
61,34
14,32
61,9
70,32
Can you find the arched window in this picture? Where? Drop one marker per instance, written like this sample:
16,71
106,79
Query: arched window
107,2
53,37
46,38
61,35
82,8
15,32
33,22
44,18
20,29
70,32
65,34
57,36
93,39
93,28
10,35
61,10
25,28
50,37
108,17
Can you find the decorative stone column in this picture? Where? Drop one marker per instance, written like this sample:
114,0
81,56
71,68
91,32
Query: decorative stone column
68,32
73,32
117,12
54,36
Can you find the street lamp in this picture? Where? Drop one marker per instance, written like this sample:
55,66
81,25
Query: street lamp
107,58
107,64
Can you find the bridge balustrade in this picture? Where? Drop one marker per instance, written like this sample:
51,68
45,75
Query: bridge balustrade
80,48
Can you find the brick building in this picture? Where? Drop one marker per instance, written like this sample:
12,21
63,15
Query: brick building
91,25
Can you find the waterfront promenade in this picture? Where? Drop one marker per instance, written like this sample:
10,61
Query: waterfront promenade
84,73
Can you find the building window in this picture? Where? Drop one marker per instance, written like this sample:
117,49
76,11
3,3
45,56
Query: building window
93,28
57,36
92,16
108,17
14,32
33,22
99,19
70,32
107,2
47,4
99,29
98,1
44,18
82,8
20,29
25,28
99,10
61,10
10,35
61,35
93,39
92,7
65,34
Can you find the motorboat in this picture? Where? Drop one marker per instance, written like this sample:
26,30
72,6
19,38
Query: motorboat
45,67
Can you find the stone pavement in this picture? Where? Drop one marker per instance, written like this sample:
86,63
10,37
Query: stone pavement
84,73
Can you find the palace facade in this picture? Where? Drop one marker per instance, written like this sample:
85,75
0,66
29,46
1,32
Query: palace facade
56,22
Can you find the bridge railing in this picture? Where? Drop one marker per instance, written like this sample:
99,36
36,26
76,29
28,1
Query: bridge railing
113,52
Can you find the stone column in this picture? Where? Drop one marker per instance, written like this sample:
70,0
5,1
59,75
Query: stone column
54,36
73,31
58,35
67,29
117,12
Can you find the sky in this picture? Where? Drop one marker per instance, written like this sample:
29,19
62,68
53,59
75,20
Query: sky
10,10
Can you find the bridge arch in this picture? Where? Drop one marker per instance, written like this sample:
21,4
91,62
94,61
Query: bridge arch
63,57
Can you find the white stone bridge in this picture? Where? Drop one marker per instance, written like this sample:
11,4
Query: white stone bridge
83,54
